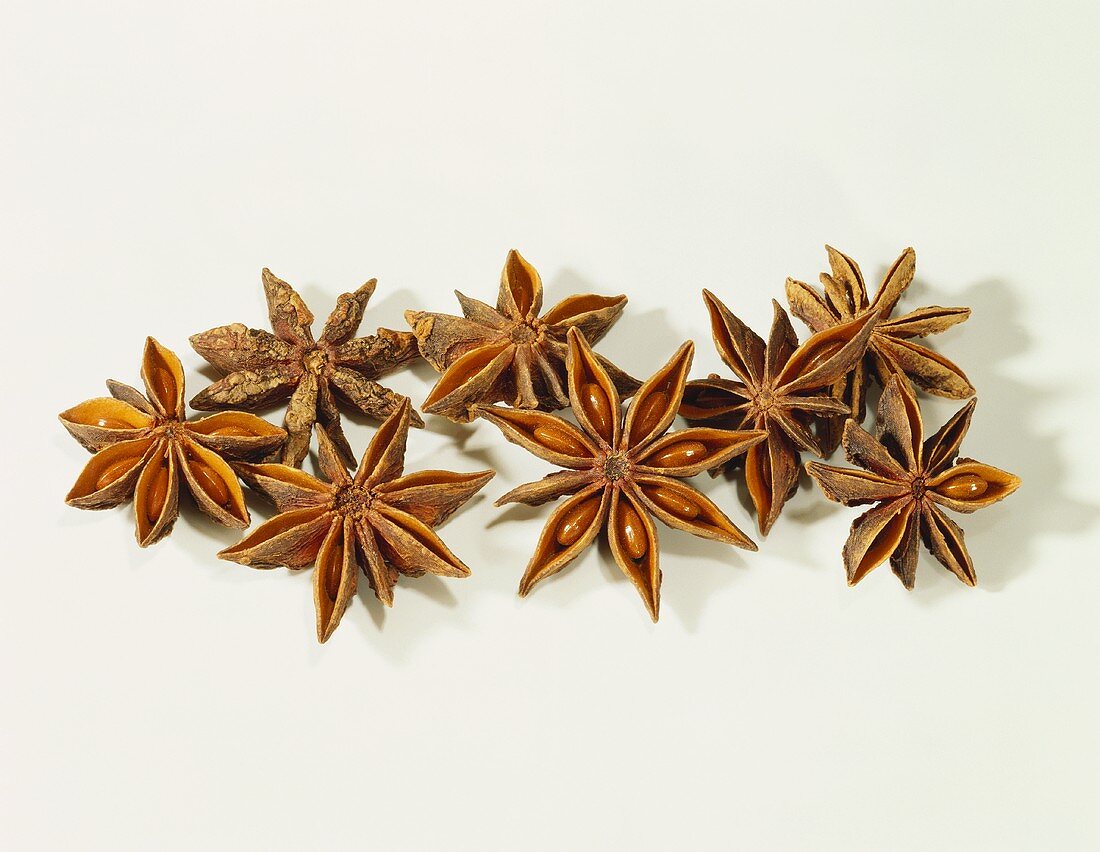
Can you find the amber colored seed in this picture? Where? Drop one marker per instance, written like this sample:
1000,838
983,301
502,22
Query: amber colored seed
576,521
158,494
209,481
333,571
231,432
673,502
965,486
114,471
678,454
649,413
824,354
631,532
559,441
112,423
164,383
597,406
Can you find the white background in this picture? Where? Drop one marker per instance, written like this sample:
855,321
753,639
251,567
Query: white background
154,157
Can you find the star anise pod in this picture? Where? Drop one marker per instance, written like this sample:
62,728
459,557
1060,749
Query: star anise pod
619,471
910,481
263,368
780,391
378,521
891,349
143,445
510,353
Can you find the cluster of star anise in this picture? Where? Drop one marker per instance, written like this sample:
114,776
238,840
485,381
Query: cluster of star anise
620,469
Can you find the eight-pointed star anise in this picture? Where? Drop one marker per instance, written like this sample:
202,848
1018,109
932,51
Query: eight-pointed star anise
891,350
910,481
619,471
780,391
142,445
510,354
378,521
263,368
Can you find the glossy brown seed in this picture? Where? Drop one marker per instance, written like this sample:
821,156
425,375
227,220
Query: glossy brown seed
208,480
559,440
673,502
576,521
965,486
112,423
164,384
231,432
649,413
631,532
158,494
678,454
597,406
115,470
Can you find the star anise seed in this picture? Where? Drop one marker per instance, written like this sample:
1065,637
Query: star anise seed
620,471
910,481
143,444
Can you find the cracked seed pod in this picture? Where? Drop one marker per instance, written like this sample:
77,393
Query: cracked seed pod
262,369
377,521
145,448
910,481
620,471
510,353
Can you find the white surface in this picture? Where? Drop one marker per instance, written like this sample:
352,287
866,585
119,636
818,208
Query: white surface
155,157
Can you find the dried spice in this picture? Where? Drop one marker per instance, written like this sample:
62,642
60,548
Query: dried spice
143,447
378,521
910,481
780,392
891,349
510,353
263,368
619,471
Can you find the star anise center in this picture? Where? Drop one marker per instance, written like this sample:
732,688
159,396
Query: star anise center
615,466
316,360
920,485
526,332
764,401
352,499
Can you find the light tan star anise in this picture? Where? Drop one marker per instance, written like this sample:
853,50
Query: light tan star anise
891,349
619,471
510,353
144,445
910,481
782,389
263,368
378,521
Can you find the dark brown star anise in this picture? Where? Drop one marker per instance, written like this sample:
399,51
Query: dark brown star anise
510,353
891,350
910,481
781,390
619,470
378,521
143,443
263,368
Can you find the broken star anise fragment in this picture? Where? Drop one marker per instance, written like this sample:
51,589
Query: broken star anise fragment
378,521
619,471
782,389
891,349
144,446
262,368
510,353
910,481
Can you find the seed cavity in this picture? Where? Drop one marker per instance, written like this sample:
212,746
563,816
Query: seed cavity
560,441
158,494
631,532
673,502
678,454
115,471
164,385
578,519
965,486
112,423
208,480
597,406
231,432
649,413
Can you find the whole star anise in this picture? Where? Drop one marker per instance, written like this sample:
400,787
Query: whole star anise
378,521
263,368
780,391
143,443
510,353
891,350
620,471
910,481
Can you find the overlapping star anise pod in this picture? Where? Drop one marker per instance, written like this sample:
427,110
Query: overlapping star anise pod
891,349
619,471
782,389
144,446
262,368
510,353
910,481
378,521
